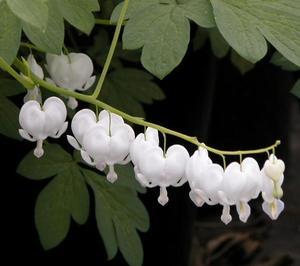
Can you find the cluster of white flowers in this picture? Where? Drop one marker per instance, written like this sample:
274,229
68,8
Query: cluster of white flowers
73,72
106,140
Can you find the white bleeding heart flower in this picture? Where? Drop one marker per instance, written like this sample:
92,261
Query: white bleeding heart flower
205,178
73,71
274,168
36,69
241,183
271,187
102,143
141,144
163,170
39,122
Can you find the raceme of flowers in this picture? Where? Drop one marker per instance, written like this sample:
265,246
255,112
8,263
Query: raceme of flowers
105,140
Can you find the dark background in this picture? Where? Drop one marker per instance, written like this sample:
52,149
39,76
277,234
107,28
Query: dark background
210,99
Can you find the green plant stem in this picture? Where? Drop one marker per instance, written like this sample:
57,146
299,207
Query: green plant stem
111,50
25,81
136,120
31,46
106,22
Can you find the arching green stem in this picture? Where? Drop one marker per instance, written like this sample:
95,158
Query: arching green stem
136,120
111,50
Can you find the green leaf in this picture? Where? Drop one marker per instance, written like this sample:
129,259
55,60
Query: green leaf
10,33
240,63
128,88
9,118
34,12
247,24
79,199
199,11
10,87
279,60
52,218
51,39
129,242
79,13
296,89
162,30
105,224
65,196
54,161
119,213
134,7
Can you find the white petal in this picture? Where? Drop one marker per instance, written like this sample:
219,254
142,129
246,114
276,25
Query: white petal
226,217
111,175
58,67
73,142
96,143
234,182
72,103
152,135
243,210
163,196
82,122
39,151
274,168
35,67
26,136
141,178
195,196
110,121
100,165
80,69
273,209
152,157
61,131
175,164
32,119
89,83
85,156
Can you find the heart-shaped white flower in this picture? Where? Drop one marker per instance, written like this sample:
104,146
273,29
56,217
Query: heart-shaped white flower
163,170
103,142
271,187
36,69
39,122
73,71
205,178
274,168
241,183
141,144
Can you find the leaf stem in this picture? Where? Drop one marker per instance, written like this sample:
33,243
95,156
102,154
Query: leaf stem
106,22
136,120
111,50
31,47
